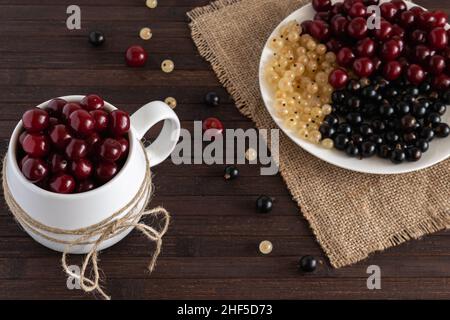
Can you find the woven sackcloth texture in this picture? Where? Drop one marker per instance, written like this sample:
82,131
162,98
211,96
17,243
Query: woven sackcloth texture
351,214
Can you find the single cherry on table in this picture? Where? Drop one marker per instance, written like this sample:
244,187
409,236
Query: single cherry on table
73,147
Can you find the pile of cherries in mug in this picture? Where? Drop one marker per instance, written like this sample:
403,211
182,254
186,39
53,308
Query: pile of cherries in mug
69,147
403,74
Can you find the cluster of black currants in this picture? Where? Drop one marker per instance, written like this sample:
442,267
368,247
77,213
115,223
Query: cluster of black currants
394,120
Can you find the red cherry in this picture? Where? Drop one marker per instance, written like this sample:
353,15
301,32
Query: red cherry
136,56
22,161
426,20
418,37
58,163
321,5
437,64
306,25
92,102
337,8
85,186
60,136
392,70
69,108
363,67
212,126
82,122
62,183
110,150
92,141
400,42
76,149
437,38
101,120
324,16
388,11
441,18
125,145
55,106
334,45
34,170
397,31
81,169
358,9
52,121
384,32
400,5
35,145
339,25
376,63
407,19
365,47
357,28
119,122
390,50
421,53
345,57
415,74
105,171
319,30
338,78
349,3
416,10
441,82
22,137
35,120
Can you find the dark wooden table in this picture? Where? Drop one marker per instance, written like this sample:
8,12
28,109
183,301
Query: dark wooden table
211,249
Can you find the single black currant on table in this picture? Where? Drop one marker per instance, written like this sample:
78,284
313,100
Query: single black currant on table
264,204
96,38
231,172
212,99
308,264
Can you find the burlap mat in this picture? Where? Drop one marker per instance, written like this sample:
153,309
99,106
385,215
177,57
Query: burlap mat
351,214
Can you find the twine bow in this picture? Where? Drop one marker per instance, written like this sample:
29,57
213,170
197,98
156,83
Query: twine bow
114,225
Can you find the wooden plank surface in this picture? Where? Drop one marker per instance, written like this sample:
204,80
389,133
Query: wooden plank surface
210,250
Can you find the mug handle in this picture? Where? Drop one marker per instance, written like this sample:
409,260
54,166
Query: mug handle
149,115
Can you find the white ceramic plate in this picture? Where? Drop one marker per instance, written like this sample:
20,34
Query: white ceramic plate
439,148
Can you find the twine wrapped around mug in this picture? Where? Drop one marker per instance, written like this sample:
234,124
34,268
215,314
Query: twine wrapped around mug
104,230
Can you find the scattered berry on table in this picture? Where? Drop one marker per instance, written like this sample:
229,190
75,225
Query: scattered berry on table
152,4
308,264
231,173
136,56
264,204
96,38
212,99
167,66
265,247
171,102
145,33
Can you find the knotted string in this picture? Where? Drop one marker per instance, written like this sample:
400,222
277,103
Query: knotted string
102,231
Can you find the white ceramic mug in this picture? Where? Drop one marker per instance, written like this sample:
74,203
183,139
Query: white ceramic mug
75,211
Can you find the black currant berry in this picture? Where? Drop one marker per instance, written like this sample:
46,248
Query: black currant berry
308,264
442,130
368,149
96,38
264,204
413,154
331,119
423,145
351,149
340,141
212,99
398,155
327,131
345,128
427,134
439,107
231,173
354,118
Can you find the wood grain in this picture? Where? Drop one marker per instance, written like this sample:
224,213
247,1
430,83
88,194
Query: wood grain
211,248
